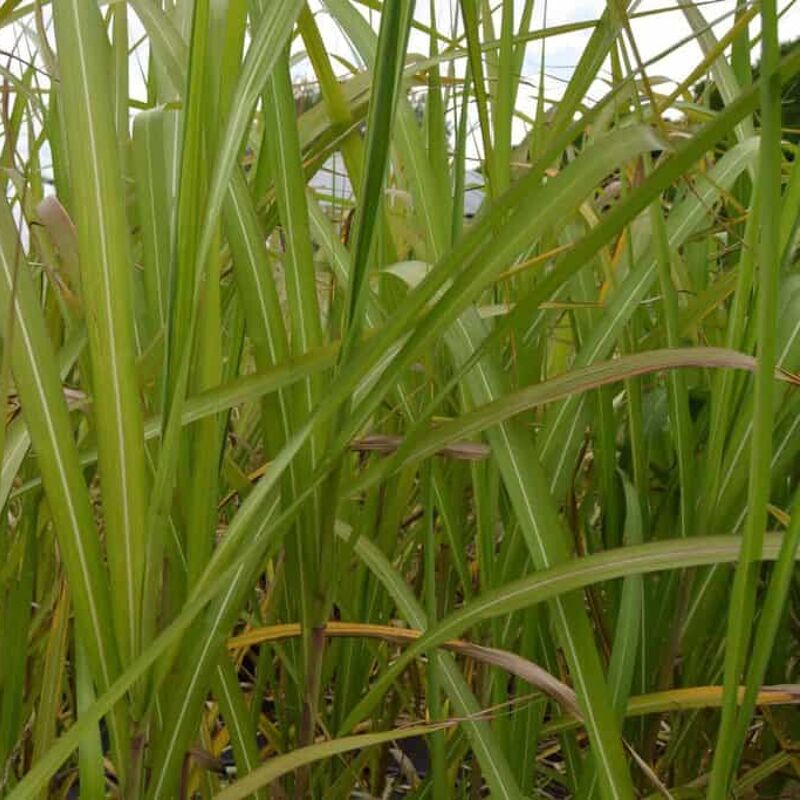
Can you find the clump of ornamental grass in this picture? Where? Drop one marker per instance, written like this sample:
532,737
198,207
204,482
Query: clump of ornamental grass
467,470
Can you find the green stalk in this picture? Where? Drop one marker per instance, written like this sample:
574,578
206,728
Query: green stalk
743,594
438,753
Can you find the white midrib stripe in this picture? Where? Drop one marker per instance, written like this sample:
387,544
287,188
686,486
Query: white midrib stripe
683,228
624,652
455,688
775,458
251,261
586,358
418,620
156,248
235,719
588,575
419,169
749,429
284,174
75,525
223,607
699,598
453,684
267,516
123,480
290,224
247,89
262,304
576,418
343,271
11,460
598,744
273,354
451,676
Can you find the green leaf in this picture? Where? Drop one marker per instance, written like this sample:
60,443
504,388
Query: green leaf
103,247
37,379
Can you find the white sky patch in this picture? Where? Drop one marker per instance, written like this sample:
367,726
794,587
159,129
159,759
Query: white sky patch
658,26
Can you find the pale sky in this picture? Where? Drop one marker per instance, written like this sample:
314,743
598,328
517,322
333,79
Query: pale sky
654,34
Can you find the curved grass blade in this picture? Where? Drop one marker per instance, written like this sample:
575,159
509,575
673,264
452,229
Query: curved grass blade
421,443
43,406
611,564
690,698
304,756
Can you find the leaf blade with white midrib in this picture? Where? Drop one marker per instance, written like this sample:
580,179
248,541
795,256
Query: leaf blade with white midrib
107,283
45,412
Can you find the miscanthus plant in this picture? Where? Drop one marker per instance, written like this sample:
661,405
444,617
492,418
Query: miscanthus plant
311,495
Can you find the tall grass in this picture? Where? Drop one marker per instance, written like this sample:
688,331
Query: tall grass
357,496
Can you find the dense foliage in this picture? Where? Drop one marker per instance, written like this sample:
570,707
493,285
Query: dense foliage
312,493
790,96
